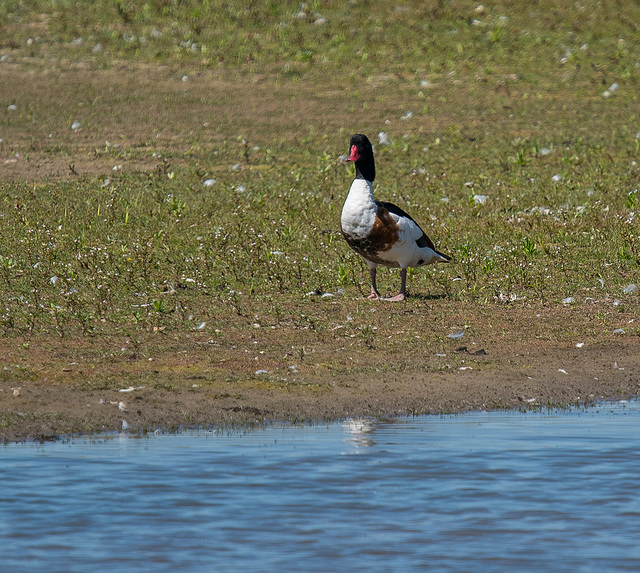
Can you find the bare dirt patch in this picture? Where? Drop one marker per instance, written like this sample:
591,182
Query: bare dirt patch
54,388
124,114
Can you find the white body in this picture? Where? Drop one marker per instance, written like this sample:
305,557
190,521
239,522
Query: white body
359,217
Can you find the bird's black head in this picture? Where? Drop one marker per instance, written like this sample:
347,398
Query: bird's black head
361,151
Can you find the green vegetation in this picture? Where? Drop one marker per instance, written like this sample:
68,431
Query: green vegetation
518,157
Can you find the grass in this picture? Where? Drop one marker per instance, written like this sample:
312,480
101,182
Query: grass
107,230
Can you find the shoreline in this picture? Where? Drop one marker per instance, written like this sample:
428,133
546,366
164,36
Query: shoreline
551,378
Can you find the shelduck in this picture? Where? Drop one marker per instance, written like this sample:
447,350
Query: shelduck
380,232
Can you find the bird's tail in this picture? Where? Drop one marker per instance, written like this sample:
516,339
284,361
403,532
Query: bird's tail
442,258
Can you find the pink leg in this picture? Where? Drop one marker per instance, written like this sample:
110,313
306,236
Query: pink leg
403,287
374,289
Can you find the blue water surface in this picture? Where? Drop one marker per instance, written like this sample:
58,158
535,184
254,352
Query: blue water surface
476,492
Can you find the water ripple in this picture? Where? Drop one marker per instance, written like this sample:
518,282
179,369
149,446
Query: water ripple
492,492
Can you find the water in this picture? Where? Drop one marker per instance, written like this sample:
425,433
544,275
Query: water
477,492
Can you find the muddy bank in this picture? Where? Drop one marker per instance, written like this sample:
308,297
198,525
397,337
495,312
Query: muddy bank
482,379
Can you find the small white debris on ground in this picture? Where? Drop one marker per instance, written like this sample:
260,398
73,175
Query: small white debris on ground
480,199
